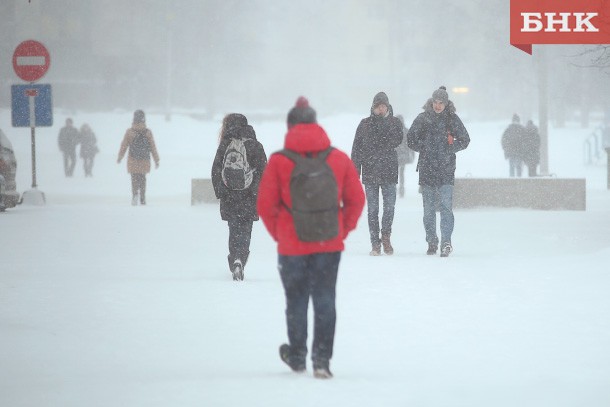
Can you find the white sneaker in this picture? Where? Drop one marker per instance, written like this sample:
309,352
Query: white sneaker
238,271
446,249
134,200
322,373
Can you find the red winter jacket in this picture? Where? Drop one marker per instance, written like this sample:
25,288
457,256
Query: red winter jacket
274,192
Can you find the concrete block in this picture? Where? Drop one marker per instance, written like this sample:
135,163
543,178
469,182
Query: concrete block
202,191
544,193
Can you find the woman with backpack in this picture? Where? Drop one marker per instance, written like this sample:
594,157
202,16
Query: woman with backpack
236,173
141,144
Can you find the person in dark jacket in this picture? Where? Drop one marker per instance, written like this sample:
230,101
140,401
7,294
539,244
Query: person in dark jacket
141,144
512,144
531,148
68,140
374,154
88,148
308,269
437,134
238,206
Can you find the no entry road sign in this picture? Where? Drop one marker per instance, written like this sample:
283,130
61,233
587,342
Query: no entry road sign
31,60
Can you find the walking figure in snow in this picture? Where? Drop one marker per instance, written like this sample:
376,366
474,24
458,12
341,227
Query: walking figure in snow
606,144
512,144
374,154
437,134
141,144
236,172
88,148
309,256
531,148
68,140
405,156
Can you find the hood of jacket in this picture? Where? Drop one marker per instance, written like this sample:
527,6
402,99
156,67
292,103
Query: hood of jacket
306,137
246,132
390,111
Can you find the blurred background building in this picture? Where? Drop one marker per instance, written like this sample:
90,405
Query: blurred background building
210,57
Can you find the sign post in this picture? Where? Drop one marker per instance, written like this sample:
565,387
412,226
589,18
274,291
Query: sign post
31,60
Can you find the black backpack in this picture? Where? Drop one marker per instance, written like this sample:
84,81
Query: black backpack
314,191
140,146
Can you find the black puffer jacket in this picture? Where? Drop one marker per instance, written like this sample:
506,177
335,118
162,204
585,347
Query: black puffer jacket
374,148
235,205
437,137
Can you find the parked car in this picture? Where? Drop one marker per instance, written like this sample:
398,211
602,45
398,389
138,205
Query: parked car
9,197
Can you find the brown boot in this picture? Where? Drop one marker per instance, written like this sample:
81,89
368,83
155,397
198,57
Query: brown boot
387,245
376,249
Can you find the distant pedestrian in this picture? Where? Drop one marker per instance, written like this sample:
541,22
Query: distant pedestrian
236,172
512,144
374,154
309,267
437,134
531,148
606,144
68,140
405,156
88,148
141,144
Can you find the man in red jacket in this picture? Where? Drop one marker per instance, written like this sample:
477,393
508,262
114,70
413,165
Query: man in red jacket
308,268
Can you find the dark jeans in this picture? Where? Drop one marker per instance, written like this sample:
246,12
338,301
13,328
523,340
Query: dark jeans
388,192
88,165
608,168
315,276
240,232
69,162
514,166
138,184
440,198
401,180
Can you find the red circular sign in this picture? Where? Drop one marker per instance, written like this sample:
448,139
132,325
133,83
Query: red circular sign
31,60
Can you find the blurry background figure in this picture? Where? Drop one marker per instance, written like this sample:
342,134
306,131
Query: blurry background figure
606,144
141,144
405,156
531,148
512,141
88,148
67,140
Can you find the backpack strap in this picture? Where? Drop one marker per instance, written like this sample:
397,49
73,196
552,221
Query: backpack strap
294,156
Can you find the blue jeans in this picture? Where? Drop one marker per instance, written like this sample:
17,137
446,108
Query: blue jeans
315,276
440,198
388,192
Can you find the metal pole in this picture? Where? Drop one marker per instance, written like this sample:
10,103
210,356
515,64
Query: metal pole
33,133
543,110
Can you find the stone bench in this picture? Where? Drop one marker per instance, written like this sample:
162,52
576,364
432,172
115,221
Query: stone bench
545,193
202,191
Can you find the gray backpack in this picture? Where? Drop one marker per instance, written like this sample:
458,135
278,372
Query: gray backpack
314,193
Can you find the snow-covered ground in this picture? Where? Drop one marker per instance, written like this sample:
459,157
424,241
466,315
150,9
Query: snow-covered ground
105,304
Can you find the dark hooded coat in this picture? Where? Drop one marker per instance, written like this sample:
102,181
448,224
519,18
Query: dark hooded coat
374,148
239,205
437,137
